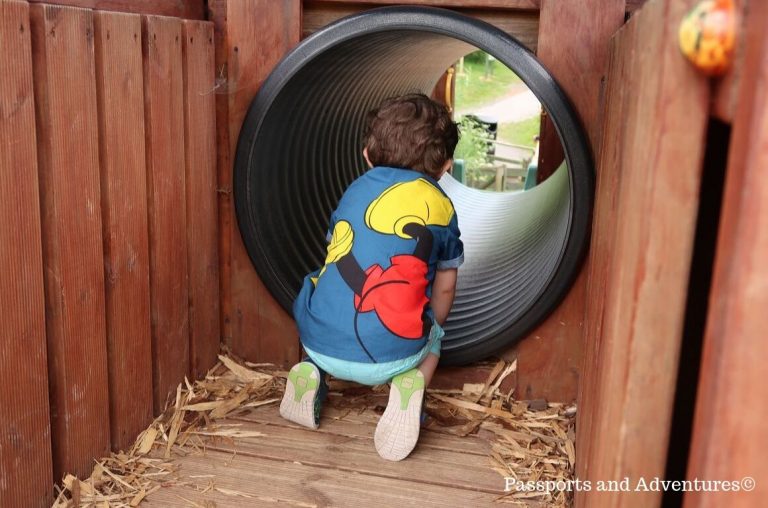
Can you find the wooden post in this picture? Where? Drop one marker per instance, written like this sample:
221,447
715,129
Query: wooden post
164,110
550,357
202,211
640,260
610,162
25,431
729,439
120,92
68,157
252,36
500,178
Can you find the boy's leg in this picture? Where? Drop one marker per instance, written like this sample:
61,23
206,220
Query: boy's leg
305,391
428,366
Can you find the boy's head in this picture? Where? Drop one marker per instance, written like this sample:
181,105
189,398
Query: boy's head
411,131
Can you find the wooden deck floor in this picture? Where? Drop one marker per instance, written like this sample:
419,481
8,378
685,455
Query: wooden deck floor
336,465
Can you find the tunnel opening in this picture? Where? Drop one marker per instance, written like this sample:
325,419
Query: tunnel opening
300,146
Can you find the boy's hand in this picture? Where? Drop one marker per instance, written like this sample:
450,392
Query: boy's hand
443,291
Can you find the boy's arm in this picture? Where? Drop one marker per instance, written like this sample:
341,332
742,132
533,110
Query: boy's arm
443,291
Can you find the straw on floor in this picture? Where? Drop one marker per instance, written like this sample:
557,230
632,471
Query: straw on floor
529,442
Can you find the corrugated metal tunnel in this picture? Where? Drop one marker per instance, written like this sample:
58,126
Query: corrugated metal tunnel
300,146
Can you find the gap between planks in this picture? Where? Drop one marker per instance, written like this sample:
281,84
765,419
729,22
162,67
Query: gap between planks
339,423
232,452
238,480
357,454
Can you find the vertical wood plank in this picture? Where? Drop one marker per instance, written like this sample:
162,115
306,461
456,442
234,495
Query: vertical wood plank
550,358
551,152
25,433
610,162
202,212
254,35
164,116
647,281
729,439
577,58
725,94
67,133
120,93
218,14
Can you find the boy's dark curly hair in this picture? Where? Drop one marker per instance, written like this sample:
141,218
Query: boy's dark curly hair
411,131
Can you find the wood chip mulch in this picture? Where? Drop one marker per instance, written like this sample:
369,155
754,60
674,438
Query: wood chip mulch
530,441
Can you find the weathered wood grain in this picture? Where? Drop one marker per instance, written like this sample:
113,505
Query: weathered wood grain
336,465
549,359
67,134
729,438
25,432
431,466
190,9
631,5
522,24
479,4
725,95
640,319
164,114
202,209
120,93
264,482
343,422
253,36
611,161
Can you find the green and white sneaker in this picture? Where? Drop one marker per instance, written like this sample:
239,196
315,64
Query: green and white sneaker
301,400
398,429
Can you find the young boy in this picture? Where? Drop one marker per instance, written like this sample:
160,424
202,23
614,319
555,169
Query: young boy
372,314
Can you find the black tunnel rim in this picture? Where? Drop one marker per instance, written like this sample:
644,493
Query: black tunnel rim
507,50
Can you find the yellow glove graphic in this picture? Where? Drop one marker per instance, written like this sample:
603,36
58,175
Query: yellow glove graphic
341,244
404,203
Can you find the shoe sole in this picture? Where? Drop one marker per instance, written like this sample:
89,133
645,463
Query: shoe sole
398,429
298,404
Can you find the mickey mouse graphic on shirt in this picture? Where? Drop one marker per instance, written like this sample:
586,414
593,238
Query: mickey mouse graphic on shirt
397,294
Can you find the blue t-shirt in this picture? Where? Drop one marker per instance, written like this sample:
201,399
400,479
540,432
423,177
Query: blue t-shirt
392,230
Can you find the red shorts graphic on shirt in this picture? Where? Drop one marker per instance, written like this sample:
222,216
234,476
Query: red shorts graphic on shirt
397,295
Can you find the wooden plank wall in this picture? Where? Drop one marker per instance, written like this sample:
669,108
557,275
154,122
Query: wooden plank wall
729,439
202,231
189,9
96,134
480,4
251,37
25,434
549,359
726,90
642,241
164,112
519,22
120,93
611,159
70,195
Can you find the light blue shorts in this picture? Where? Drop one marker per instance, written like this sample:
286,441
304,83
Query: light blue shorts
377,373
